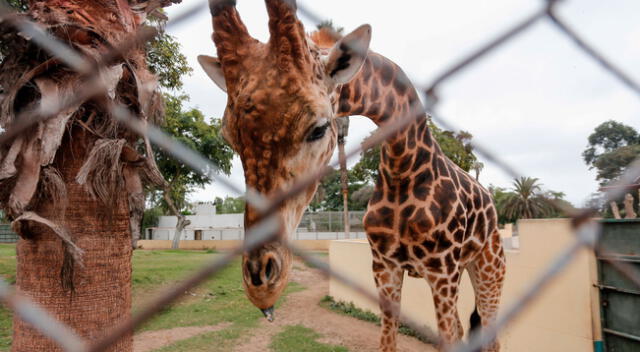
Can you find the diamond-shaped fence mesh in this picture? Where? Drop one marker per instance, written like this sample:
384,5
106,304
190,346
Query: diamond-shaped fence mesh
586,229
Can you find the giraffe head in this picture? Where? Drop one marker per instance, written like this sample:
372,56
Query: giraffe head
279,118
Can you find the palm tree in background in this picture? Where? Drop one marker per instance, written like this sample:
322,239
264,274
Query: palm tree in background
527,200
477,166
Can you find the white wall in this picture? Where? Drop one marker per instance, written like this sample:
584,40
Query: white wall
166,233
205,221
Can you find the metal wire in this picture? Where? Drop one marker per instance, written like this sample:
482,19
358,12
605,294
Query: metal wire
587,231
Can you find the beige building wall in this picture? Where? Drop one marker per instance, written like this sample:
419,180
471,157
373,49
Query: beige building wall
507,231
311,245
563,318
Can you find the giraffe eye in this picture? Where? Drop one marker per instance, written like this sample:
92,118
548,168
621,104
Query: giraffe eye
317,132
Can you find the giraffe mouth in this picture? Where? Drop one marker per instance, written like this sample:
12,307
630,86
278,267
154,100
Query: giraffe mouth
269,314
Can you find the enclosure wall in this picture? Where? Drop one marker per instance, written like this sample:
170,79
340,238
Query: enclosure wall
561,319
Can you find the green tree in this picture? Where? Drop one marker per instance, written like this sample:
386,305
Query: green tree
329,194
360,198
558,204
189,126
551,201
456,146
166,61
229,205
366,170
151,218
527,200
612,165
612,147
499,196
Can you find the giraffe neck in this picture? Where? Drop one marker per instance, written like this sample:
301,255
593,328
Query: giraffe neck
382,92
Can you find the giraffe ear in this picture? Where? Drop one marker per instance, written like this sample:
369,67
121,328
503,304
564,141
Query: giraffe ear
212,67
348,55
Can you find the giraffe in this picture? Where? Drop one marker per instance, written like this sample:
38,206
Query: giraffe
426,216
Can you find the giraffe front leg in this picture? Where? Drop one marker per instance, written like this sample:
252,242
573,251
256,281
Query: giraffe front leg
388,281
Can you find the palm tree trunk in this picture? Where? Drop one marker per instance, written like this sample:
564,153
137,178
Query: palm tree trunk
343,131
345,189
90,293
101,292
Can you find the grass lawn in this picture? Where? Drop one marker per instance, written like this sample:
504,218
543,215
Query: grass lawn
297,338
220,299
8,273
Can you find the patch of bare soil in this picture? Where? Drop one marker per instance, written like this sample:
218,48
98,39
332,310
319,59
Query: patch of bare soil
152,340
302,308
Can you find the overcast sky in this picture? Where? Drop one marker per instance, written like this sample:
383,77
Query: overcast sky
534,101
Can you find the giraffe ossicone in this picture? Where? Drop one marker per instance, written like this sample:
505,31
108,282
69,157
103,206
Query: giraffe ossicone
426,216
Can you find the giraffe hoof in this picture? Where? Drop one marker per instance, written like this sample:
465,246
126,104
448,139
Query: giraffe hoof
269,313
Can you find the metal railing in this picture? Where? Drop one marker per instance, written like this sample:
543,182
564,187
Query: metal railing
6,235
586,229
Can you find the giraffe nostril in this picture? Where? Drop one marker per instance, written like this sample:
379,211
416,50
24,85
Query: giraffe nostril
269,270
253,270
255,279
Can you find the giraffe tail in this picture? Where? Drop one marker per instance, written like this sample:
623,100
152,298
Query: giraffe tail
474,321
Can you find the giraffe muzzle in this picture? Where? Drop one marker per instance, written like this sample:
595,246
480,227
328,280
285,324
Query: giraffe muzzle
269,313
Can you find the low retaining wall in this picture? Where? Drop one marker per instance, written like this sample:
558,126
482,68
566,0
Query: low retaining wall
565,317
310,245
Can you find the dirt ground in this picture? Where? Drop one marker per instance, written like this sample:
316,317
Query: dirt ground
300,308
152,340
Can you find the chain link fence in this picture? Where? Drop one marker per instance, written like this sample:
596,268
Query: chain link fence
586,229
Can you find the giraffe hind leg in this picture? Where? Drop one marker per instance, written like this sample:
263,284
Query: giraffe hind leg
388,280
445,291
487,273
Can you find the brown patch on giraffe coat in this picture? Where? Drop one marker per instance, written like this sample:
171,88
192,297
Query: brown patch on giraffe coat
381,241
